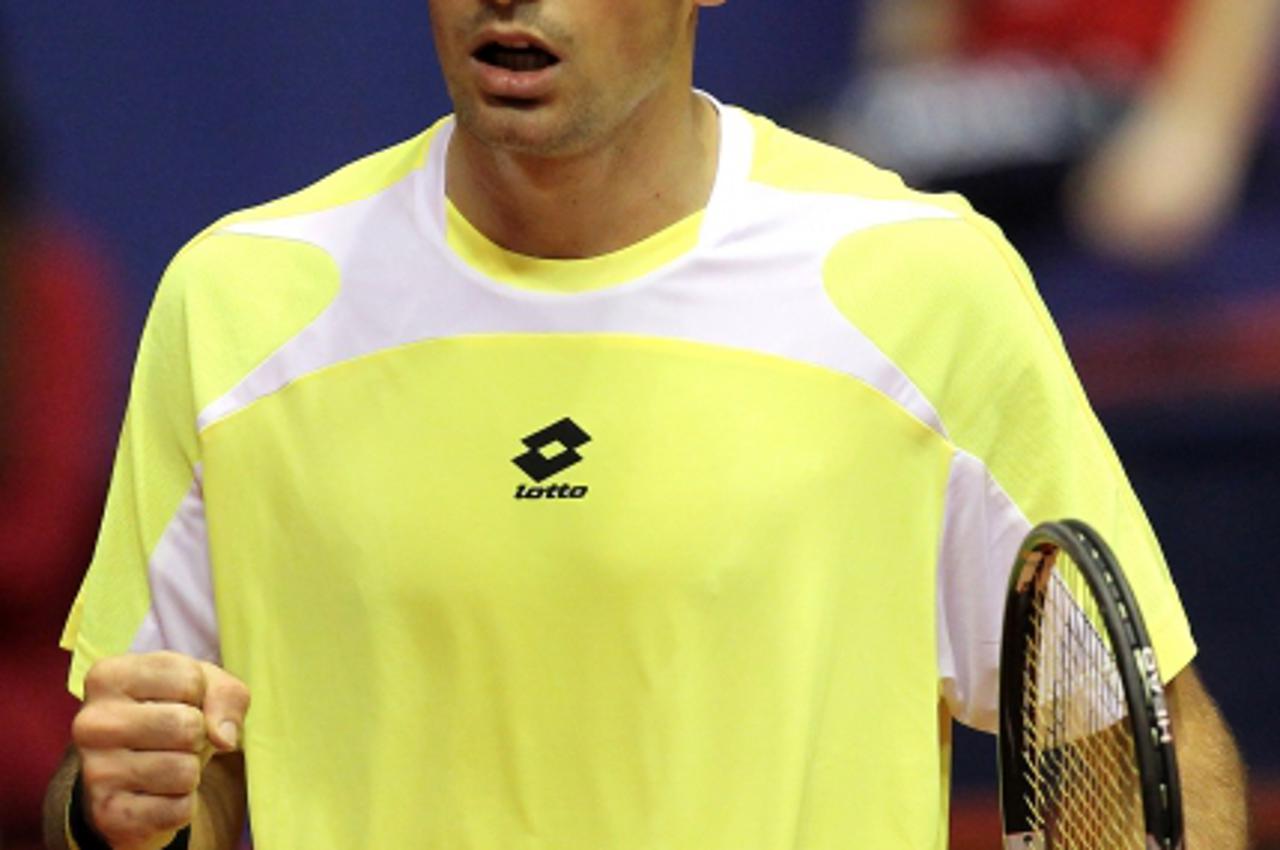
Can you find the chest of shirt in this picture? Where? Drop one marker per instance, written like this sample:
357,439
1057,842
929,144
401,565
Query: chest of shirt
503,462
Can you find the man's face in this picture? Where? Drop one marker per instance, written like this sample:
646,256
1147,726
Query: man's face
559,77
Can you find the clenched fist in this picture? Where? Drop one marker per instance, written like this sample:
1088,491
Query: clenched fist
148,726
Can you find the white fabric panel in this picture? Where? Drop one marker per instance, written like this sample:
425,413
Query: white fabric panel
981,534
182,617
754,282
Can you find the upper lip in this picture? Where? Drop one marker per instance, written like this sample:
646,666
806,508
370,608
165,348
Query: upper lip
511,38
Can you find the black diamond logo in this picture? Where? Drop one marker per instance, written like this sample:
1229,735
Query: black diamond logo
536,464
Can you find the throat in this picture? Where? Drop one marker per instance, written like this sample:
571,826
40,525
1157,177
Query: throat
587,204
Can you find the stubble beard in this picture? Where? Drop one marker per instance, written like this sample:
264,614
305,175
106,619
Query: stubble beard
555,130
562,127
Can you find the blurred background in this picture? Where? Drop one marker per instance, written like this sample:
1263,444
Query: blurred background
1128,147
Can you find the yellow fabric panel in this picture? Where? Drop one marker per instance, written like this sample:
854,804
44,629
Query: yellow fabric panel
946,736
247,296
953,306
571,275
212,322
887,281
692,657
153,471
786,160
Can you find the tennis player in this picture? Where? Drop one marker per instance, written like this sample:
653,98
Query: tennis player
605,467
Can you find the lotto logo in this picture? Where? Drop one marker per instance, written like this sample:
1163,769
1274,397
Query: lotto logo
540,466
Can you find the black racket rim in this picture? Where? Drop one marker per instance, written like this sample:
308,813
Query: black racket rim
1148,716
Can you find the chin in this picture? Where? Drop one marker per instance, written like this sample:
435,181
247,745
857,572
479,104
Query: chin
535,129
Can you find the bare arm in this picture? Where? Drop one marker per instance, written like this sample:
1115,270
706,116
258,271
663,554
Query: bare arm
1171,173
1212,774
1221,64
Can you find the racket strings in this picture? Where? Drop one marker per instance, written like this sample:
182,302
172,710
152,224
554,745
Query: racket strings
1083,786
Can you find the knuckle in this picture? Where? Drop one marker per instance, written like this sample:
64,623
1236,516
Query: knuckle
193,727
101,676
111,814
173,812
138,819
86,726
98,726
183,771
179,672
189,681
224,685
184,726
96,772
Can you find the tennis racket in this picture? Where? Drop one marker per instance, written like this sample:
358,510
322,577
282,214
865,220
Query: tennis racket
1086,746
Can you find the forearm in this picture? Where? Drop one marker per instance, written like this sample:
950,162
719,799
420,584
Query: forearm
1210,768
220,814
1220,66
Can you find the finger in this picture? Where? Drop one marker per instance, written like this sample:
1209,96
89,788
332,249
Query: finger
120,724
226,702
162,676
159,773
129,819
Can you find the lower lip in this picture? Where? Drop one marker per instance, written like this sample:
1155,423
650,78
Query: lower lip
515,85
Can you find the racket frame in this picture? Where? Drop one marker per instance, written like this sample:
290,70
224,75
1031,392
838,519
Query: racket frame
1148,712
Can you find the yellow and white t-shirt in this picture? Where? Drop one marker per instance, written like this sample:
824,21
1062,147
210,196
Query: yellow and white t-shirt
695,546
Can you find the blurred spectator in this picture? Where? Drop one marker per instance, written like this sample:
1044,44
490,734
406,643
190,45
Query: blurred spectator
56,406
1138,118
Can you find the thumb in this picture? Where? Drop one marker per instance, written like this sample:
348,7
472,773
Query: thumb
226,701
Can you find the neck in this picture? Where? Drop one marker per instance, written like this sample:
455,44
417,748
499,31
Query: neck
656,169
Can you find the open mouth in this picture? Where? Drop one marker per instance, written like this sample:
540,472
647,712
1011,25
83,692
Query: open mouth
524,58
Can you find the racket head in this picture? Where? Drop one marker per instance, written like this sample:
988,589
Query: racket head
1086,756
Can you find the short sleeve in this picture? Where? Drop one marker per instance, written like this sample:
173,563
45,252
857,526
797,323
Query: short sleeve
955,307
225,304
151,540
